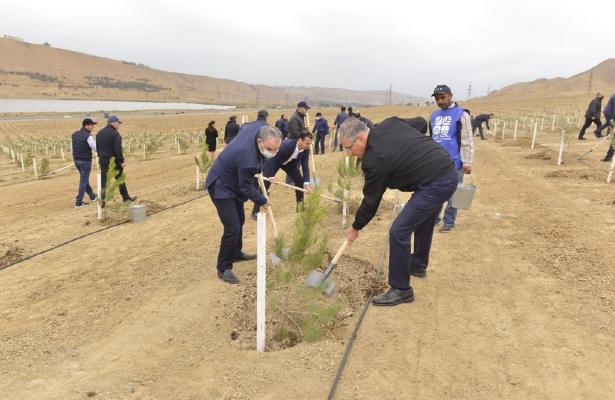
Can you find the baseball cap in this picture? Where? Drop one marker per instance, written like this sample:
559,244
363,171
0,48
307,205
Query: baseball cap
88,121
113,118
303,104
441,89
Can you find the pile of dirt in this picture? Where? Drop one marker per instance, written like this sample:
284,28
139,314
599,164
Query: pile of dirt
541,155
10,253
520,142
355,281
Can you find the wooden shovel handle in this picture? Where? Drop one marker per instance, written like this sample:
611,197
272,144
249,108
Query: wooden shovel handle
324,196
261,183
340,252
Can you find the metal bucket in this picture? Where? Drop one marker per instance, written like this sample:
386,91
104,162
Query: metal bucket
137,212
463,196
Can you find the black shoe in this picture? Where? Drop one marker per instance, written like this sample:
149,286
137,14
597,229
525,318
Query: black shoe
244,257
597,135
419,272
393,297
581,138
228,276
606,159
95,198
133,198
83,204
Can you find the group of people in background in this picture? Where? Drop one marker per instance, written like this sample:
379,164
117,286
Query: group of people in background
107,145
592,115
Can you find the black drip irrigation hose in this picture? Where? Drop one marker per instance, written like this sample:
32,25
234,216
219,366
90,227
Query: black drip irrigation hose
94,232
355,330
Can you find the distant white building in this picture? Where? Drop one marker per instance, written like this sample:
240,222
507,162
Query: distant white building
13,38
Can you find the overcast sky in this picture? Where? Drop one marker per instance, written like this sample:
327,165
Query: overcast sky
410,45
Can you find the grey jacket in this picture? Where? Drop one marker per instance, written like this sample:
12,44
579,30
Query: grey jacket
296,125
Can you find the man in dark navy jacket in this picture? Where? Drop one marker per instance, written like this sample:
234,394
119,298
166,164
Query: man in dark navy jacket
395,155
282,125
230,183
293,157
83,144
109,144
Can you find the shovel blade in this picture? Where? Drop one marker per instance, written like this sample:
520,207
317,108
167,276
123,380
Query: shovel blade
314,181
314,279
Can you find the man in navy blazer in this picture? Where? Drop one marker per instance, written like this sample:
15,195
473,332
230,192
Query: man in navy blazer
293,157
230,183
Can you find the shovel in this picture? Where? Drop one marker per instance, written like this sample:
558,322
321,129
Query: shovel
275,258
286,185
319,279
314,180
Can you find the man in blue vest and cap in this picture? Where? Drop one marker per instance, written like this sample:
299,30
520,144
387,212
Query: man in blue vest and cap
451,127
293,157
230,183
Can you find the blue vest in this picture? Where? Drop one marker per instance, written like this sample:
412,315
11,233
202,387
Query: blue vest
444,126
81,148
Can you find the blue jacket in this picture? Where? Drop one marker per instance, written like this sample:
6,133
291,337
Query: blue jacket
232,173
282,125
609,110
321,127
339,120
287,148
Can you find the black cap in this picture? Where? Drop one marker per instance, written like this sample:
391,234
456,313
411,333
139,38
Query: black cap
441,89
303,104
88,121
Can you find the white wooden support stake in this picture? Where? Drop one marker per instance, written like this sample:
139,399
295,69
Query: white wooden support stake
261,283
198,170
99,207
561,148
35,169
542,124
611,168
143,151
515,134
13,155
553,124
62,153
503,130
534,134
23,166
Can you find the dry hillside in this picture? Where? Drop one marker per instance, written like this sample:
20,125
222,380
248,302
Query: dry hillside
37,71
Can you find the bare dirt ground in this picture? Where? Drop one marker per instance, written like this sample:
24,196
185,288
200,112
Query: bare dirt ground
519,301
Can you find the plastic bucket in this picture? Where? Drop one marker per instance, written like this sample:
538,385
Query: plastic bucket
463,196
137,212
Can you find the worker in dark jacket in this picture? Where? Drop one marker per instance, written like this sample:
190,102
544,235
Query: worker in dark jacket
296,124
83,144
282,125
339,120
609,115
477,123
395,155
231,129
293,158
592,115
368,122
211,139
109,144
230,183
321,128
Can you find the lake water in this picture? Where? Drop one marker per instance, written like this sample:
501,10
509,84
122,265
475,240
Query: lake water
41,105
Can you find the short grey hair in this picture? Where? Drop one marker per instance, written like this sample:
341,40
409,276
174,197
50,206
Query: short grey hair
267,132
352,128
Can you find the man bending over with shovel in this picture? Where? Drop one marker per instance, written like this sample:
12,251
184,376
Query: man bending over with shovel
395,155
230,183
293,157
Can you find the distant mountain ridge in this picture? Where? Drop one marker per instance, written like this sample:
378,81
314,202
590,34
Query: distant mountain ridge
40,71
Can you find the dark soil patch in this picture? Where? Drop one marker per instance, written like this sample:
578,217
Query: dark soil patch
10,254
577,174
541,155
355,281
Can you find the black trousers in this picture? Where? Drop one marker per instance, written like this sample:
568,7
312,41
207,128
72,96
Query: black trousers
479,126
606,124
588,122
232,216
609,153
104,166
320,142
296,177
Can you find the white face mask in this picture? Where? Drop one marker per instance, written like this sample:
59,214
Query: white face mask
267,153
